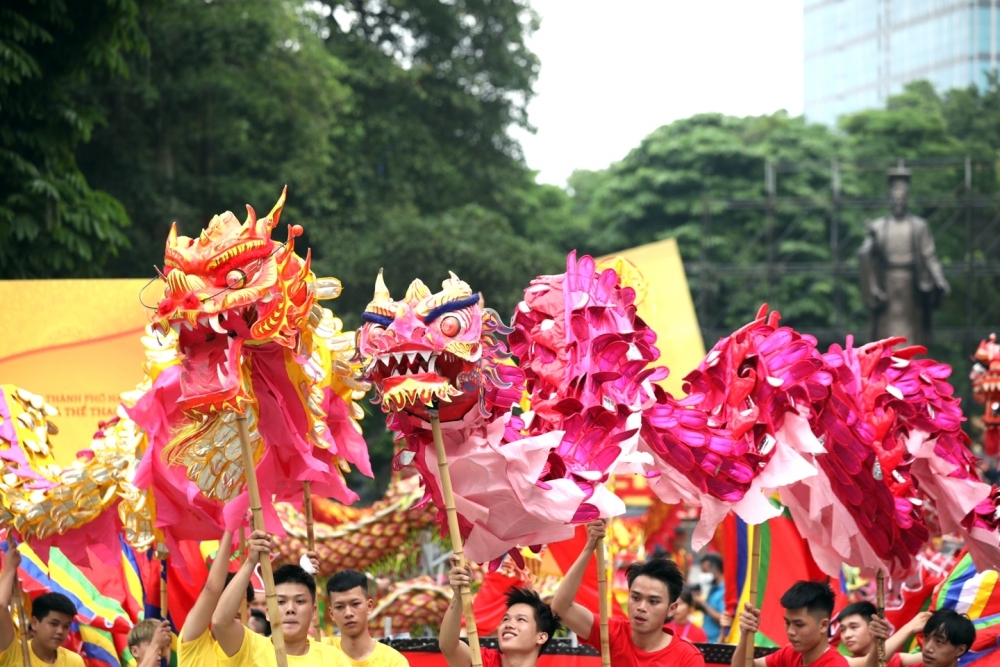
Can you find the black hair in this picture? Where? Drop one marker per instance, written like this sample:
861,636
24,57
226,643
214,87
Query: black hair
661,569
952,627
261,616
545,620
346,580
293,574
687,594
714,559
49,602
866,610
229,579
815,596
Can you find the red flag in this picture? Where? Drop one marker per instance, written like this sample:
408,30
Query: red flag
565,554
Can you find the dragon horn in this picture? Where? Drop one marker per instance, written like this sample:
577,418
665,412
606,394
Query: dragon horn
172,236
381,291
275,215
251,216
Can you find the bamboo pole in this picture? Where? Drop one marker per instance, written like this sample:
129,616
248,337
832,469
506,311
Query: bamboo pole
242,556
22,619
307,503
165,653
257,512
602,592
456,535
754,576
880,608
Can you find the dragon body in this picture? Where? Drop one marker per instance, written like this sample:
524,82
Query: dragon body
357,538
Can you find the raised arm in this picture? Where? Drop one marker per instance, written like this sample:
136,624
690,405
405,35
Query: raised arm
200,616
894,643
226,626
8,579
575,616
456,653
749,622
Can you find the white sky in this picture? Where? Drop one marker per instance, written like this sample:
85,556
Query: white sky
615,70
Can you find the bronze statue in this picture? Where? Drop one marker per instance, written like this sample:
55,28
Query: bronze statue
902,281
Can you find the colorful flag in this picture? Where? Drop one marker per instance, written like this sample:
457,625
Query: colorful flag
977,595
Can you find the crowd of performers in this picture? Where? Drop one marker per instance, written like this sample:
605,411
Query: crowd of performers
252,397
219,631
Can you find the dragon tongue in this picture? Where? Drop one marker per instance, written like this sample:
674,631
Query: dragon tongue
211,373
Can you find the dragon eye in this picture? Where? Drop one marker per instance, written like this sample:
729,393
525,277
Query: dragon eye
375,330
236,279
450,326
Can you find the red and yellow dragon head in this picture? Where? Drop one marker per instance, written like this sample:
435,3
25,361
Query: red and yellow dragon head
431,348
233,286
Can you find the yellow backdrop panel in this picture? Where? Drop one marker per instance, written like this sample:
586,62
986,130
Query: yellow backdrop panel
75,342
664,302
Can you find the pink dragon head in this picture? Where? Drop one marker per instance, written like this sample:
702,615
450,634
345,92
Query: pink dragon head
431,349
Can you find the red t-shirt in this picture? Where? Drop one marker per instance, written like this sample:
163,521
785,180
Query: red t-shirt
688,631
491,657
678,653
894,661
789,657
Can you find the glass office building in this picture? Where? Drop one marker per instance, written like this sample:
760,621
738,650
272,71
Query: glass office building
858,52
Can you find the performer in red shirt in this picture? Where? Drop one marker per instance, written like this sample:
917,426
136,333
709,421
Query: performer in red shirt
654,587
524,632
808,608
947,636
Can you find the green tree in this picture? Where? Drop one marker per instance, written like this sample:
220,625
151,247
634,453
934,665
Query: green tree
52,223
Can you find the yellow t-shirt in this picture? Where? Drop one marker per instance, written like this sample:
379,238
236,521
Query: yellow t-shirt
382,656
198,652
258,650
11,657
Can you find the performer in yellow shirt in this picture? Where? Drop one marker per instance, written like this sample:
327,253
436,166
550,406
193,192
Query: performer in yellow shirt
350,604
51,617
196,646
296,592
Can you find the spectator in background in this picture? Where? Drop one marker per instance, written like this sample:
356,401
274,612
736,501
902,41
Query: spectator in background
258,623
713,604
681,623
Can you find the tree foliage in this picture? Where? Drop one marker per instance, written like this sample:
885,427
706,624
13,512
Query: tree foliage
51,222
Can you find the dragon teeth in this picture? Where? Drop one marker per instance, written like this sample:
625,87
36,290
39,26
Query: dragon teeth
215,322
410,356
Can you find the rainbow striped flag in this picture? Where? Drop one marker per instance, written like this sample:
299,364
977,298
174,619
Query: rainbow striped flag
976,594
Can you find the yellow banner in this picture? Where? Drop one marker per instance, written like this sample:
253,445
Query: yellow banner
75,342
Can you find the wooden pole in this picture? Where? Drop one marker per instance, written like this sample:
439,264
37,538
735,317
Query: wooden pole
880,608
22,619
754,575
244,606
165,654
456,535
602,593
257,512
307,503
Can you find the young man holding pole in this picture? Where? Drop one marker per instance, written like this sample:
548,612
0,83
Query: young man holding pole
296,593
654,588
51,617
947,637
855,632
808,608
525,630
